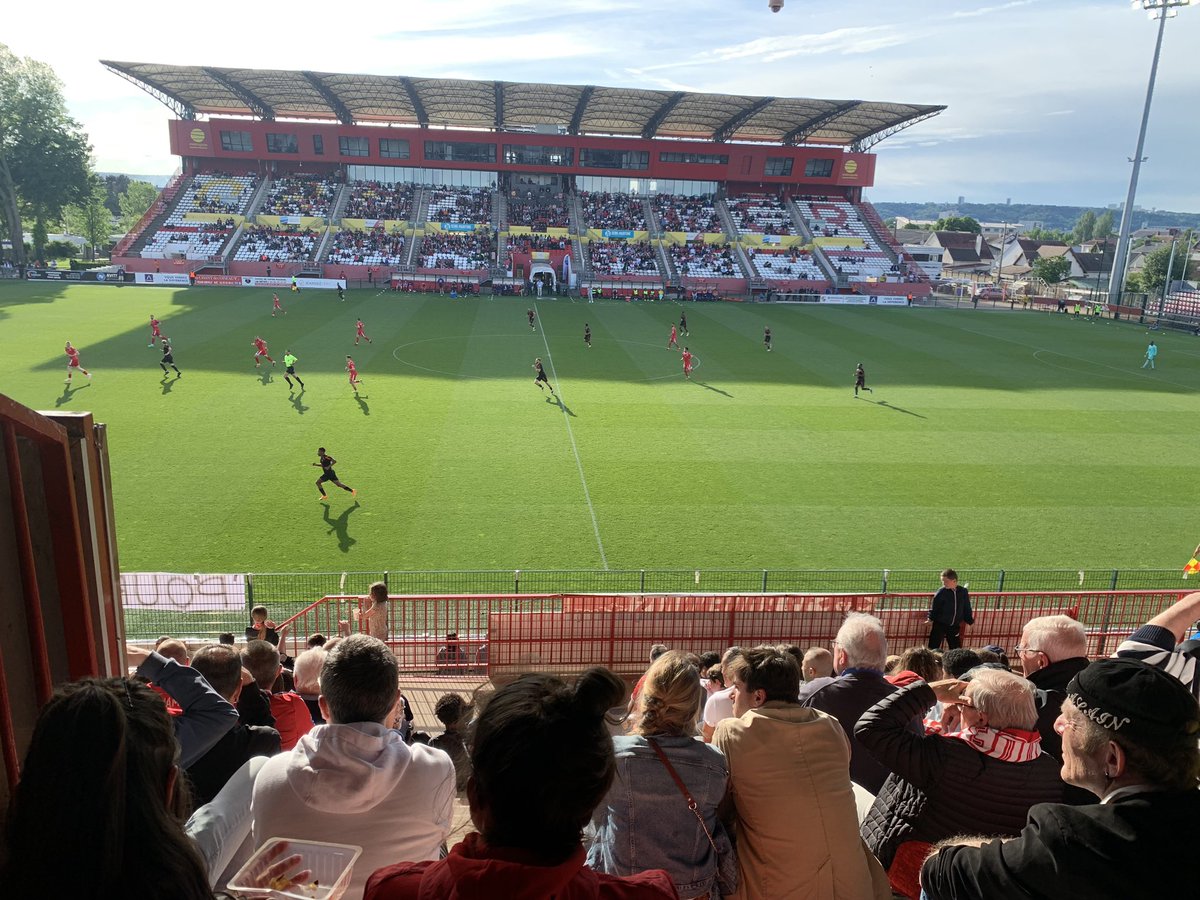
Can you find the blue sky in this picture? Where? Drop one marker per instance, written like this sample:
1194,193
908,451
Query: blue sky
1044,96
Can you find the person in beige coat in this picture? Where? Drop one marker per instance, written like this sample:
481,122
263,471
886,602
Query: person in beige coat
791,801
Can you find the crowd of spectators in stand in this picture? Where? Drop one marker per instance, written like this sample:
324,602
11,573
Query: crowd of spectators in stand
266,244
528,243
623,257
759,773
761,214
467,206
450,250
214,192
376,200
698,258
362,248
537,214
620,212
299,195
783,264
688,214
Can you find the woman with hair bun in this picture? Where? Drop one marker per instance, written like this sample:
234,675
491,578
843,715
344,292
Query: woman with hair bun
98,810
645,821
541,760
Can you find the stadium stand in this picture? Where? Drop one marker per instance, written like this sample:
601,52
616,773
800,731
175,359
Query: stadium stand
760,214
688,214
366,248
299,195
374,200
467,206
538,215
528,243
465,252
623,257
698,259
862,256
261,243
215,193
617,211
781,265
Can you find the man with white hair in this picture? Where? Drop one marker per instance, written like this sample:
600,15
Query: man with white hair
983,779
1052,651
859,657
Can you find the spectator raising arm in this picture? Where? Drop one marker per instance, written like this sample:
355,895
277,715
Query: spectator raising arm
1161,642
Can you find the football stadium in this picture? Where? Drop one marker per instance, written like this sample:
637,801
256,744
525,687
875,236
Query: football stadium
484,384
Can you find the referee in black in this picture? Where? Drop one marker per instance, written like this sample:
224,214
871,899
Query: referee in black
168,359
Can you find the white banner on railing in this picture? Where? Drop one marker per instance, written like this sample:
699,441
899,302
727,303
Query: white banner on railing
175,592
161,278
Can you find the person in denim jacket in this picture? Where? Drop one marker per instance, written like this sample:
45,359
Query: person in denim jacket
644,822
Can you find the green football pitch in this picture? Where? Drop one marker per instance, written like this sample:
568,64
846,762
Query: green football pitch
992,438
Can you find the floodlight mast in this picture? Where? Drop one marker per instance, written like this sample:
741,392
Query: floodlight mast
1161,10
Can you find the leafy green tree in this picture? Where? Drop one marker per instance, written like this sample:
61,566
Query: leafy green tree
137,198
39,237
1051,269
957,223
92,218
44,156
62,250
1085,228
1048,234
1104,224
115,186
1154,274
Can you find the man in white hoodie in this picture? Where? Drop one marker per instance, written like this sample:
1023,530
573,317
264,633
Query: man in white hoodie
354,781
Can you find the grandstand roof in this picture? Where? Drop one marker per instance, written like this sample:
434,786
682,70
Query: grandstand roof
192,91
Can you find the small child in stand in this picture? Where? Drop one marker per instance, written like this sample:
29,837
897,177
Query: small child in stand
374,619
454,713
263,629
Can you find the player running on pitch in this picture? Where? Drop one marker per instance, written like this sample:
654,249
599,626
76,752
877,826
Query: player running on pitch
276,306
155,332
683,324
687,363
326,464
73,363
767,338
350,367
260,352
860,379
673,342
587,334
289,372
341,293
541,378
360,332
168,359
531,315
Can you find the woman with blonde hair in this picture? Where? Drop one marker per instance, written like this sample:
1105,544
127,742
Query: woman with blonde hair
661,811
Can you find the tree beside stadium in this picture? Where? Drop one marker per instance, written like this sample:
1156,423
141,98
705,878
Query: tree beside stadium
44,154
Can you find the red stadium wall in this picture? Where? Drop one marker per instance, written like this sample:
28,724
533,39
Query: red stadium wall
199,143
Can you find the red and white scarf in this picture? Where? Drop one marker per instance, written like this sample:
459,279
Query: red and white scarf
1010,745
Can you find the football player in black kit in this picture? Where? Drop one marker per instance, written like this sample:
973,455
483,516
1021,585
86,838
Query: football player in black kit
860,379
327,462
541,378
530,315
168,359
587,334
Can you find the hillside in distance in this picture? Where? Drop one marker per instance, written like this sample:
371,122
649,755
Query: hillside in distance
1031,214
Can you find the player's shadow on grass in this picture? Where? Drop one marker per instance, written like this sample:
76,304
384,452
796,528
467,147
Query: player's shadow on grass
298,401
362,404
265,378
69,391
709,387
886,405
340,526
167,384
555,400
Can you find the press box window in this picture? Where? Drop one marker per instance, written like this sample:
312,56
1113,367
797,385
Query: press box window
818,168
460,151
778,165
391,148
595,158
236,142
353,146
318,145
708,159
281,143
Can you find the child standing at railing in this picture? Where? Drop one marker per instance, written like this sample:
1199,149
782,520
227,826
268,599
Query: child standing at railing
374,619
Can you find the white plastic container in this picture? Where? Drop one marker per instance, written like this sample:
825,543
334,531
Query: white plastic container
331,866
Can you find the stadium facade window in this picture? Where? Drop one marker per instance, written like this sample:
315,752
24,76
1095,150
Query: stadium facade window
318,145
597,158
414,175
394,148
818,168
282,143
460,151
706,159
237,142
531,155
778,165
353,146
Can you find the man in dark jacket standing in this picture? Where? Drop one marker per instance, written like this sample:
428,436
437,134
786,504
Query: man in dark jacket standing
1129,736
950,610
985,778
859,656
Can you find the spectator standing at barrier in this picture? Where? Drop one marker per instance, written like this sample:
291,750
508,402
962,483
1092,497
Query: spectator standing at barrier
1163,642
949,612
1129,735
782,758
661,811
374,619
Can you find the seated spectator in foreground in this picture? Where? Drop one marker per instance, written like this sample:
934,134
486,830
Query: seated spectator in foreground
916,662
859,652
1129,735
221,666
646,821
453,711
98,810
1052,651
984,779
785,758
292,718
818,663
354,781
719,705
541,759
306,674
1162,642
958,662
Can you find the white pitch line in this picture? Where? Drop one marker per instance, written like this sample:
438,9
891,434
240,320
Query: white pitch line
587,495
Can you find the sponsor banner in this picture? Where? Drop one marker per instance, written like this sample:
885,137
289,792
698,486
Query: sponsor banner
616,233
303,221
456,226
75,275
173,592
392,225
275,281
539,256
846,299
160,278
197,137
226,280
838,242
890,301
213,217
770,239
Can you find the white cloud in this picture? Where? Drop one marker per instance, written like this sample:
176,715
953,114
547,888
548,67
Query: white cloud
988,10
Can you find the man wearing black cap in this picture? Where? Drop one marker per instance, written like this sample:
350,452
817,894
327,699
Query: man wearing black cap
1130,736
